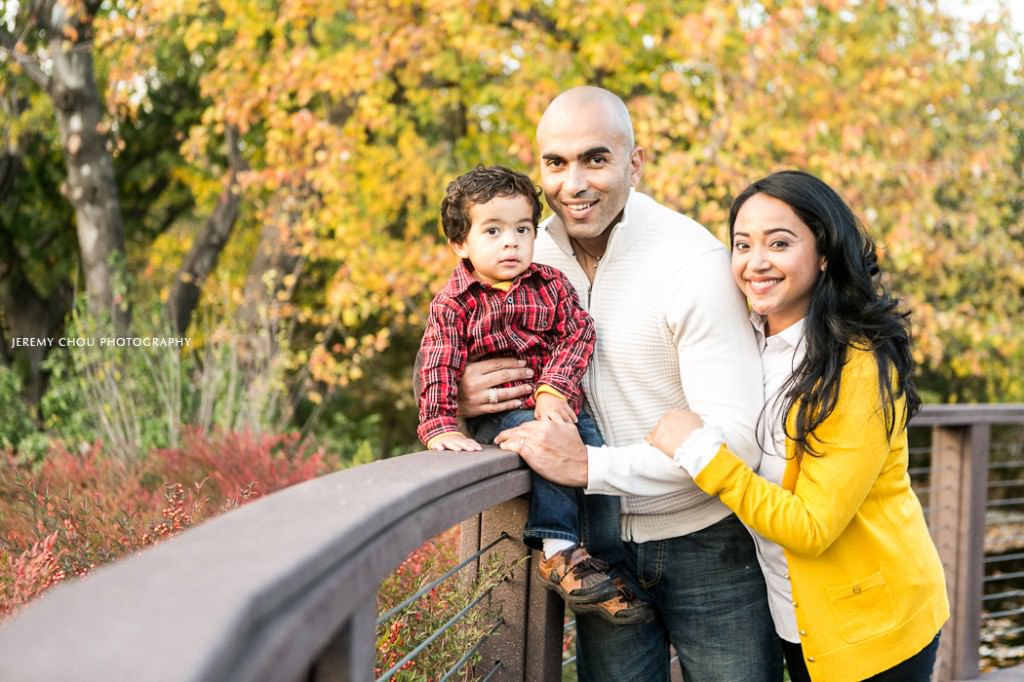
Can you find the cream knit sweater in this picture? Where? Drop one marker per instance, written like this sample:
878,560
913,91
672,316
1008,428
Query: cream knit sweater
672,331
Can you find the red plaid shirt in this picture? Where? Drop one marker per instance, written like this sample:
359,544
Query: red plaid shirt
539,319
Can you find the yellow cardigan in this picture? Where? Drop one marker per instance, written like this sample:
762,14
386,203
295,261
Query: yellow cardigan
868,585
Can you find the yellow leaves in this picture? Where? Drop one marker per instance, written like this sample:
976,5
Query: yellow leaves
852,137
356,115
635,13
199,32
827,54
670,82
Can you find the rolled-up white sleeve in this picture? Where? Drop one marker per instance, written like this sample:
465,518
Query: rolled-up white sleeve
699,449
637,469
642,469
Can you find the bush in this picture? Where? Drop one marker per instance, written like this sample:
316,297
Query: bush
15,421
78,511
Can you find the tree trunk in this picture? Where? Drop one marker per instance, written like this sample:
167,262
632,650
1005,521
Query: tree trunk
277,256
27,314
209,243
91,184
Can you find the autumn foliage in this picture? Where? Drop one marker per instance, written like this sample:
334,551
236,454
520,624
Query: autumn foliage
359,113
350,117
79,511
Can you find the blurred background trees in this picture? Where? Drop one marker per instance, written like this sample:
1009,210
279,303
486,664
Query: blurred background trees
264,178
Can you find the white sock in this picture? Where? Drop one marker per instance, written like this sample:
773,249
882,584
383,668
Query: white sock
553,546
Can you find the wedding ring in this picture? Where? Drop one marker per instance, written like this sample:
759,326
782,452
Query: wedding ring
492,396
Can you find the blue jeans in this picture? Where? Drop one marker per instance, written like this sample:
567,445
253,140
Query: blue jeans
557,511
712,605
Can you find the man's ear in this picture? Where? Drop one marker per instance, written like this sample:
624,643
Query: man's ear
636,165
459,248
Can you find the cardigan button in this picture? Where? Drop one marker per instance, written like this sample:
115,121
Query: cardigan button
803,633
810,659
856,589
794,603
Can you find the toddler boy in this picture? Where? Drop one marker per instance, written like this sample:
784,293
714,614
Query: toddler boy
497,303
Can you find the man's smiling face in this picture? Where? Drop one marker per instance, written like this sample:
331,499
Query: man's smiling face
587,165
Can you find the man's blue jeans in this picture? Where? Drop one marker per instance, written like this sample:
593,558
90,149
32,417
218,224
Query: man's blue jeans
557,511
712,605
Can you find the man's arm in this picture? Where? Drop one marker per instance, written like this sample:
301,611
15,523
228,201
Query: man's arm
719,364
555,451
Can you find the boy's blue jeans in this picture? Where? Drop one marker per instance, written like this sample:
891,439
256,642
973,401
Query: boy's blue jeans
557,511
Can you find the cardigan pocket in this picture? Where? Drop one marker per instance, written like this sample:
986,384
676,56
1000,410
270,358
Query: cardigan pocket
862,609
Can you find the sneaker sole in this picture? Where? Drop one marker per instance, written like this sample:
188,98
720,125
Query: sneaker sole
634,617
595,595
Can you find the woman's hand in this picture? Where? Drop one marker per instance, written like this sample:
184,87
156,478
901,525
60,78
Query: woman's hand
479,385
674,427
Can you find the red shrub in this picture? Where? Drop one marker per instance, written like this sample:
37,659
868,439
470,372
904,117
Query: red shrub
83,510
241,466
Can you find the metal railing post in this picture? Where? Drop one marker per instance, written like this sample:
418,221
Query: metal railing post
349,656
529,643
545,631
506,645
960,477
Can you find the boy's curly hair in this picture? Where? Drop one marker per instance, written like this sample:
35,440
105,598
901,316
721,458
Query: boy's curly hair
479,186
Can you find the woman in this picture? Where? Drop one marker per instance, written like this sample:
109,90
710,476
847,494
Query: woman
868,593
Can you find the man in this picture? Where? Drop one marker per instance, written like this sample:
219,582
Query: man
672,331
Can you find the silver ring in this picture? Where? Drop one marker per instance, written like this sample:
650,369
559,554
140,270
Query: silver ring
492,396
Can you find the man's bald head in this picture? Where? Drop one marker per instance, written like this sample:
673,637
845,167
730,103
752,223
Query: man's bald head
588,162
573,103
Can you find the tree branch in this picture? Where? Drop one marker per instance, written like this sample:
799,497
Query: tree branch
9,43
209,243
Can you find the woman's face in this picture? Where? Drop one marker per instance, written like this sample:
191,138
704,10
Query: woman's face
775,261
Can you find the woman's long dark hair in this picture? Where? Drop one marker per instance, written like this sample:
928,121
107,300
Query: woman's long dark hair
849,308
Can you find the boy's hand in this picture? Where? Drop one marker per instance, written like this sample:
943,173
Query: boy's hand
553,409
456,442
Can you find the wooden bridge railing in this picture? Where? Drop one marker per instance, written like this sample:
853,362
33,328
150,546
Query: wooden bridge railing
284,588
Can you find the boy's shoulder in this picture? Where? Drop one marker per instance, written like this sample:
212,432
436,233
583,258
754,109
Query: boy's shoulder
548,273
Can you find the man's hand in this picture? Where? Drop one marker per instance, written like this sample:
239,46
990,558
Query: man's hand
480,377
674,427
456,442
553,450
553,409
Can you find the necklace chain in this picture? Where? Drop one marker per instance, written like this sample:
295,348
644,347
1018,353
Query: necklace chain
577,245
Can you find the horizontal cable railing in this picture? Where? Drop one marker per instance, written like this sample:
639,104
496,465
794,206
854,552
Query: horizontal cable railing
1002,604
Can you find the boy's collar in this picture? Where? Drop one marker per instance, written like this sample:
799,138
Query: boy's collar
463,277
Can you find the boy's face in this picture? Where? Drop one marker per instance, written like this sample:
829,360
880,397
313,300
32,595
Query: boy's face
500,239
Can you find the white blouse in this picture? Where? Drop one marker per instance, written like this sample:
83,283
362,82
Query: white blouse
780,355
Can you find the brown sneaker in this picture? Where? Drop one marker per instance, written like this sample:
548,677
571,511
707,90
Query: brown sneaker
625,608
577,577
